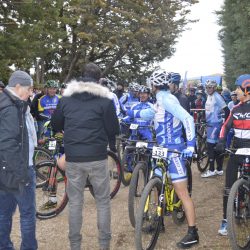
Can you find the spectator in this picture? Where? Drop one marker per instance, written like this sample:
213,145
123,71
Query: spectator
174,89
87,116
119,90
192,97
17,175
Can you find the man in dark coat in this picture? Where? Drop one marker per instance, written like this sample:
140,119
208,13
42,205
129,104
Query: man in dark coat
87,116
17,175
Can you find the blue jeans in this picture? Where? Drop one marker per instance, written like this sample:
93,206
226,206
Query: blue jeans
27,208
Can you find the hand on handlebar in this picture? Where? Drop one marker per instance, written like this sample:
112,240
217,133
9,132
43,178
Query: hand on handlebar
187,152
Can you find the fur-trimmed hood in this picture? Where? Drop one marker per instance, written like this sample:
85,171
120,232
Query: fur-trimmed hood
87,90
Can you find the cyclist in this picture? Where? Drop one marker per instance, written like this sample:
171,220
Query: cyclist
144,133
240,122
129,99
47,103
169,117
215,105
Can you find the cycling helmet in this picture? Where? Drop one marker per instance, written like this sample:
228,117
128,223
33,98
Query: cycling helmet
144,89
219,87
160,78
108,83
211,83
243,81
52,84
199,92
134,86
175,78
233,93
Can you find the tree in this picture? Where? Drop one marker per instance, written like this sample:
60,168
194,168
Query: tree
235,36
125,38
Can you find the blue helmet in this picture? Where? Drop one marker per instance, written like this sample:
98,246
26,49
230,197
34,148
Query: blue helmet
175,78
243,81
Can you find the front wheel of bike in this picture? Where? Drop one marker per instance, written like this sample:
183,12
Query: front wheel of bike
127,166
49,188
137,184
149,218
238,215
202,159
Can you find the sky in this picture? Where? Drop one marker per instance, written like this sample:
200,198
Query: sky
198,50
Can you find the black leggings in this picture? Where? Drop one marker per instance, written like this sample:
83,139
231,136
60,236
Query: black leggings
231,176
214,156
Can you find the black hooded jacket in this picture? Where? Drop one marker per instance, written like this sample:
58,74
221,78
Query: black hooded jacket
87,116
14,142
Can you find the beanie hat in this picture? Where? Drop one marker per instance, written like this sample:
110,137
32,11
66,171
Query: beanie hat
20,77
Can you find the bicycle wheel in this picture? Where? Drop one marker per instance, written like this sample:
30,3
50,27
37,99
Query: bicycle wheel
178,214
127,166
202,160
52,186
114,167
114,173
137,184
238,215
41,154
148,220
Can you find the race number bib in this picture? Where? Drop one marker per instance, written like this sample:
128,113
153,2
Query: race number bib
141,144
243,151
133,126
159,152
52,144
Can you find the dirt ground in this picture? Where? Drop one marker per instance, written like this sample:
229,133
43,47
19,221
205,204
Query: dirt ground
52,234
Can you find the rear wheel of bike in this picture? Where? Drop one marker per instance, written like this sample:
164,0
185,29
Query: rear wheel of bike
202,159
127,166
238,215
49,188
148,220
114,167
178,214
136,186
41,154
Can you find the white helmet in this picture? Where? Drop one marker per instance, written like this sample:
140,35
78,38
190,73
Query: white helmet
160,78
211,83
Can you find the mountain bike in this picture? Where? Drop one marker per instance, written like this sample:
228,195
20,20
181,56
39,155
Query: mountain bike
158,200
52,182
200,151
130,155
238,206
139,178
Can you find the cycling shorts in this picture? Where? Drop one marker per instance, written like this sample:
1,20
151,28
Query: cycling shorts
213,132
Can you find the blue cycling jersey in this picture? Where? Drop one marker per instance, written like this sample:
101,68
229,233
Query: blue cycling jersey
47,105
127,101
145,133
168,119
214,108
116,103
